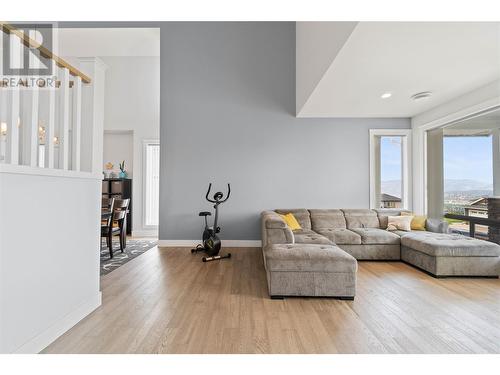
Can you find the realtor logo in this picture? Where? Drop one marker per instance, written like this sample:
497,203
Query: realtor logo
27,56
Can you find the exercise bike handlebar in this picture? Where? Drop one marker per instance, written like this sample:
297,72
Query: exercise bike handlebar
217,201
208,192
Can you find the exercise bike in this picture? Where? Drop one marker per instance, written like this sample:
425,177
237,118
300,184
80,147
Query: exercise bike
211,243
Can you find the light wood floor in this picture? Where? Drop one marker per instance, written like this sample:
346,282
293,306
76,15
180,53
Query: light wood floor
168,301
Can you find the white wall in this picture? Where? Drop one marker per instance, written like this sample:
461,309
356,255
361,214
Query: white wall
132,103
119,146
49,257
228,115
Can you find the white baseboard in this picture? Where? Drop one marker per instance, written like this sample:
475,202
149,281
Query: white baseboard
225,243
145,233
44,339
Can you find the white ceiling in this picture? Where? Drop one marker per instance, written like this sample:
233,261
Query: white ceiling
107,42
404,58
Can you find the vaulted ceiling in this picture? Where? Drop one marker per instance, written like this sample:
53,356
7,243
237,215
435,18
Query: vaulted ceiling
343,68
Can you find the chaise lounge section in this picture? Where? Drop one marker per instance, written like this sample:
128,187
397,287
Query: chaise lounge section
295,267
444,255
320,258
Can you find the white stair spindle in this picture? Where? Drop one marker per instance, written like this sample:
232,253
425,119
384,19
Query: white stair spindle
77,122
50,130
12,149
64,120
33,126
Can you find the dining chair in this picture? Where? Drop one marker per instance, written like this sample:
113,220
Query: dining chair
118,224
107,205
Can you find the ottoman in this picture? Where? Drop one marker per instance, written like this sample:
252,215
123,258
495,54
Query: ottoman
309,270
444,255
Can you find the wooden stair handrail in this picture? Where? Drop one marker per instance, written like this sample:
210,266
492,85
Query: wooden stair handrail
28,42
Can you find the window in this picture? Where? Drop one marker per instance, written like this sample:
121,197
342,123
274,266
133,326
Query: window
389,165
151,182
467,175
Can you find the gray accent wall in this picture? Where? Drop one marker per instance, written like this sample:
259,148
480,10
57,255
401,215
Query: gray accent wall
227,115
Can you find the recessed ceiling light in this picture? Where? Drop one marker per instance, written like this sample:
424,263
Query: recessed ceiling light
386,95
421,95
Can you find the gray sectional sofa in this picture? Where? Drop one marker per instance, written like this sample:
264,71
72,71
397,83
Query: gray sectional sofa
321,258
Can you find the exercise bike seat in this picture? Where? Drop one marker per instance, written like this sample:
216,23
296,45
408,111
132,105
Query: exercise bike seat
204,213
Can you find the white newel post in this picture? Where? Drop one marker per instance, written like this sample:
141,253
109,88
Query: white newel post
92,119
77,122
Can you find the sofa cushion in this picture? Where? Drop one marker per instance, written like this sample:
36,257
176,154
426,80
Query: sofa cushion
301,214
402,233
399,222
291,221
361,218
418,221
327,219
384,213
307,236
341,236
308,258
449,245
374,236
272,220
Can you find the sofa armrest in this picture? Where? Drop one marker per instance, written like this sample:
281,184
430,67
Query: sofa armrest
272,220
275,230
437,226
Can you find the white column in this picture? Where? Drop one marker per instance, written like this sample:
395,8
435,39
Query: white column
92,115
435,174
419,171
496,162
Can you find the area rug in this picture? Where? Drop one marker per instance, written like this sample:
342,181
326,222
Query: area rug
134,249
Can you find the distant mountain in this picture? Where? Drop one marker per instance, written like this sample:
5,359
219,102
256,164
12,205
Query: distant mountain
477,188
466,185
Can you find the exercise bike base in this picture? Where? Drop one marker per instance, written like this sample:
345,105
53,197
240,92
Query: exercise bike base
216,257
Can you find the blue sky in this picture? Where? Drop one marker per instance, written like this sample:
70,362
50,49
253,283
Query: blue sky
468,158
390,156
464,158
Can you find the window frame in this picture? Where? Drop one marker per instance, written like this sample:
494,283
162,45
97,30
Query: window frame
406,163
145,144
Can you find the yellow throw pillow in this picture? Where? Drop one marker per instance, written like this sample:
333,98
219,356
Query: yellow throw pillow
291,221
399,223
418,222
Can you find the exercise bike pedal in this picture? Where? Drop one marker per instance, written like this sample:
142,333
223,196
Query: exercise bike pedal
197,249
216,257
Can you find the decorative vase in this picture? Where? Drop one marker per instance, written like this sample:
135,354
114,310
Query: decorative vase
122,174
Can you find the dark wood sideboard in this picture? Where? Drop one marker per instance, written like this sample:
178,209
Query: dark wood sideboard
120,188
